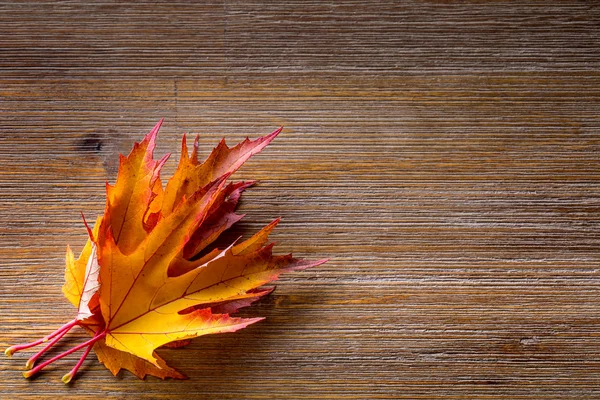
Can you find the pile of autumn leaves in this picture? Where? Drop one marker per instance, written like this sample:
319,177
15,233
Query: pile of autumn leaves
145,277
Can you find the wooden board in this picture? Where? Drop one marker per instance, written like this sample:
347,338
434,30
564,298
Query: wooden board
445,155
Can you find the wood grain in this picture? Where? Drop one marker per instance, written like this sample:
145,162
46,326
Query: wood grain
444,154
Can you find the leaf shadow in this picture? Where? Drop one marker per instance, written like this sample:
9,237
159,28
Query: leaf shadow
234,358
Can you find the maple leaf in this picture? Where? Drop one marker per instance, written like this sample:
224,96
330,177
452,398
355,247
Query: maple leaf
145,279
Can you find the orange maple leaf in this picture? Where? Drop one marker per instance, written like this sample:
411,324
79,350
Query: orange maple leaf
146,279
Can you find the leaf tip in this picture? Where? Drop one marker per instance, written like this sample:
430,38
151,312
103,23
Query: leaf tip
89,230
154,130
317,263
150,138
277,131
255,320
29,364
265,140
272,224
162,162
27,374
184,149
195,149
267,291
301,265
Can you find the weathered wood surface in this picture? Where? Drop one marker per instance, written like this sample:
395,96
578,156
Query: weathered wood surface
446,155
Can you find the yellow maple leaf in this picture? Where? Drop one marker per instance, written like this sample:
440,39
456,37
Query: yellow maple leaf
145,278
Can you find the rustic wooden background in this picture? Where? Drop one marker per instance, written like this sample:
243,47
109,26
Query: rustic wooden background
445,155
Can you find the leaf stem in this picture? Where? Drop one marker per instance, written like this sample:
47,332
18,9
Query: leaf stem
33,359
99,335
13,349
67,377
